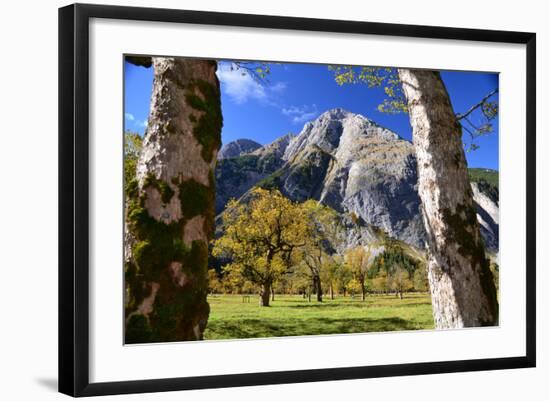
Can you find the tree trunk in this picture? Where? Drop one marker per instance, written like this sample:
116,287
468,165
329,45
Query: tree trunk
461,284
331,291
272,294
170,213
265,294
317,288
363,292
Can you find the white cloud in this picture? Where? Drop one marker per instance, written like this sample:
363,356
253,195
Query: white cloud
278,87
241,87
135,121
300,114
139,123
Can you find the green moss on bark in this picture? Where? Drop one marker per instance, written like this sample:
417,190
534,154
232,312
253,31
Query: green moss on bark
136,291
138,330
210,209
132,188
458,223
194,198
161,186
205,98
157,244
180,312
473,250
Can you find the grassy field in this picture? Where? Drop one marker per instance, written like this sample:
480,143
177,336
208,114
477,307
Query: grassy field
293,316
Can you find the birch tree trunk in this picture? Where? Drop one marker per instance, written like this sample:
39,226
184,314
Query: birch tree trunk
461,284
170,206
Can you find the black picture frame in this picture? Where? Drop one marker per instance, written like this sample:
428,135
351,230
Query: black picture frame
74,200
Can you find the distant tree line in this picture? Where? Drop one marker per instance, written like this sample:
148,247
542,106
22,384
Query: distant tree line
273,245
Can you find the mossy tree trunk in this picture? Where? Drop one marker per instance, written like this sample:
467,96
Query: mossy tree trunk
170,206
461,284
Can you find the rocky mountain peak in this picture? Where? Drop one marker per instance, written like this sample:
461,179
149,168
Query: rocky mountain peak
334,128
276,148
238,148
357,167
337,113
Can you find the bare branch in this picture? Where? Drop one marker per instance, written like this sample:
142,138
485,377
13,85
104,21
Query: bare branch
258,72
474,107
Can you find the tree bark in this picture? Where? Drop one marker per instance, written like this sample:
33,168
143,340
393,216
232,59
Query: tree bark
318,289
170,214
461,284
265,294
363,292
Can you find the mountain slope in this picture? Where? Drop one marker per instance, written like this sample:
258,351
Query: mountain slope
353,165
236,175
238,148
484,175
362,170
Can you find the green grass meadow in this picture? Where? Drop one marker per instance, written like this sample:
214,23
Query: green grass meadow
292,315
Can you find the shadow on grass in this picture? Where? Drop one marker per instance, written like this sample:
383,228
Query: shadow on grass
358,304
328,304
255,328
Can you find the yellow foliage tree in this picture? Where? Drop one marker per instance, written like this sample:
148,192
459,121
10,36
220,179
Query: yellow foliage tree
321,239
214,284
260,238
359,260
380,282
354,286
400,281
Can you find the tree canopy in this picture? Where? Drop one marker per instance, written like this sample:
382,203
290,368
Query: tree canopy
260,237
395,102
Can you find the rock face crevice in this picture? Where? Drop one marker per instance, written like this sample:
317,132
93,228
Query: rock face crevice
170,214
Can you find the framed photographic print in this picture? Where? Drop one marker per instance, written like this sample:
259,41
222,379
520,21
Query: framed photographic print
249,199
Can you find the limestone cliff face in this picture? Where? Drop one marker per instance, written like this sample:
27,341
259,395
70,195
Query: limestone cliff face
355,166
487,213
348,162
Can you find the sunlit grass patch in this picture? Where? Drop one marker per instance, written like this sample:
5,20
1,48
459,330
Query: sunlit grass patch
292,315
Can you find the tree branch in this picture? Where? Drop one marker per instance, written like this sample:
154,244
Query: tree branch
474,107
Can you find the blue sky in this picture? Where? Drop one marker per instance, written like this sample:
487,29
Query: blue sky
297,93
